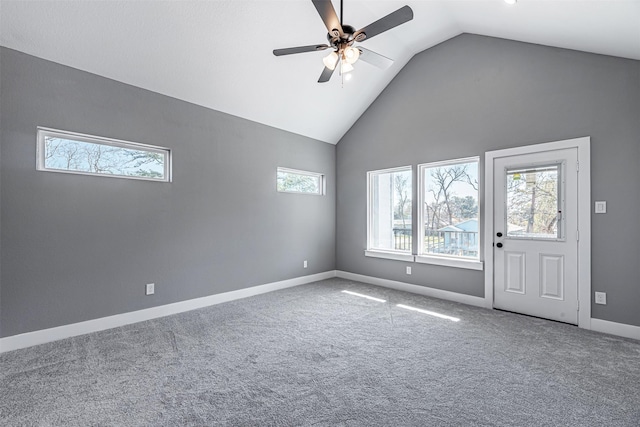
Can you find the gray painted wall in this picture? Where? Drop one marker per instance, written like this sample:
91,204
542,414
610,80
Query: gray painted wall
1,96
76,248
473,94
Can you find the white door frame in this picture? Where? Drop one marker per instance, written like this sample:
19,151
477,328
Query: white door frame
584,218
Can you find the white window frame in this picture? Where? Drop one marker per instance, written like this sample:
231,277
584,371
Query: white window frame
322,186
385,253
91,139
444,260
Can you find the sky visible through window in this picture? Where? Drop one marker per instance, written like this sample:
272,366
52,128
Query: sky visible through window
87,157
464,185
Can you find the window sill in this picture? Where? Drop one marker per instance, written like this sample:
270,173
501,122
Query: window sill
450,262
424,259
389,255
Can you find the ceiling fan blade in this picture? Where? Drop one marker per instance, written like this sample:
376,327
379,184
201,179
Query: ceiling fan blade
326,75
329,17
399,17
374,58
300,49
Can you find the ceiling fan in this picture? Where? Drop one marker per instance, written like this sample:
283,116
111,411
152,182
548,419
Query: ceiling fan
342,37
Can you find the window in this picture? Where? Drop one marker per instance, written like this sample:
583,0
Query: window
61,151
534,203
389,212
449,227
295,181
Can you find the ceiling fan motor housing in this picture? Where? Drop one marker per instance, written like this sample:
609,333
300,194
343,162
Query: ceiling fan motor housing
347,38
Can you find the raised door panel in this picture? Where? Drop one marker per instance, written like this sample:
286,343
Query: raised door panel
514,280
552,276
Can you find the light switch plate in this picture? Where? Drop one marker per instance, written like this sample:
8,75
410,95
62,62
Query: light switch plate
601,207
150,289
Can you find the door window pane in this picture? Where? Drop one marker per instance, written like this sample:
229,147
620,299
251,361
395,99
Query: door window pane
533,203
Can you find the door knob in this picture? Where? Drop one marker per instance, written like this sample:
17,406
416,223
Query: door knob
499,245
499,234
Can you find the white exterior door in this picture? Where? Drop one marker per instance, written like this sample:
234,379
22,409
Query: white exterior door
535,234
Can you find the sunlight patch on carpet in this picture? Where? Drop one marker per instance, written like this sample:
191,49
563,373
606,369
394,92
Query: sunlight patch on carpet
364,296
430,313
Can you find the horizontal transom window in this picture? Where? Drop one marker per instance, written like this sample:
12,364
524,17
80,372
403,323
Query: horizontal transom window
69,152
297,181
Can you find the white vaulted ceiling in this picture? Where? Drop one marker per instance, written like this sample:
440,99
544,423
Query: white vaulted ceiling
218,54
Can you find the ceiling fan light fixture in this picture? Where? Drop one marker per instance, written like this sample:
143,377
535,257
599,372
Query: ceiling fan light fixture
351,54
510,1
330,60
345,67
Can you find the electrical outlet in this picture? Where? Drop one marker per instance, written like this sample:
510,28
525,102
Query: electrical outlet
150,289
408,270
601,298
304,263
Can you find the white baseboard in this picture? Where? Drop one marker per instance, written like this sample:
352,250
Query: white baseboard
67,331
613,328
29,339
416,289
598,325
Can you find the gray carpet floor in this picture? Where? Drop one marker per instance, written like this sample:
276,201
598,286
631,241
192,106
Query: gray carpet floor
314,355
